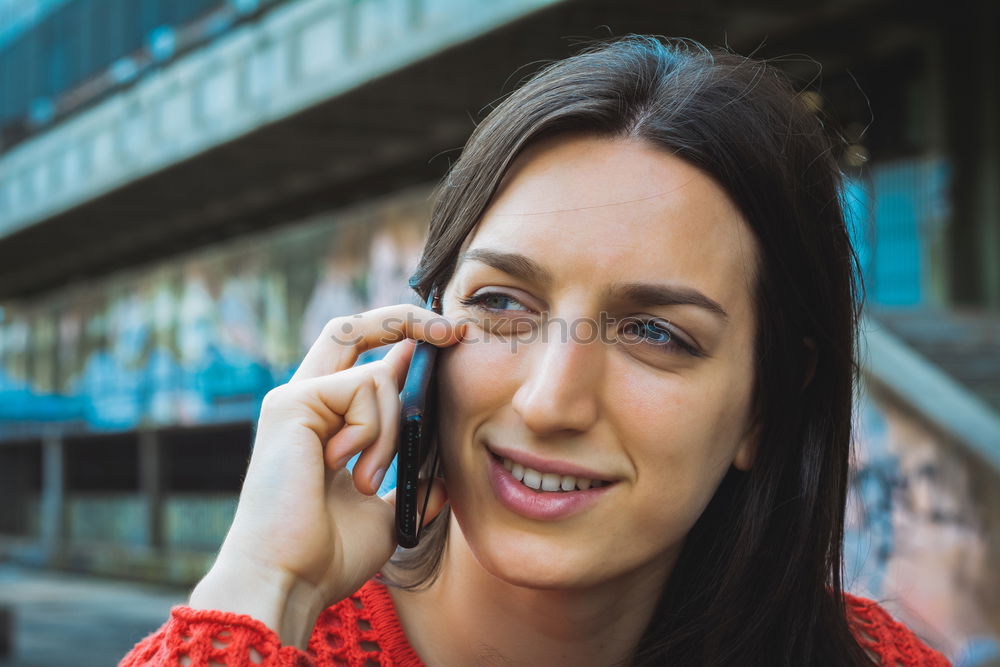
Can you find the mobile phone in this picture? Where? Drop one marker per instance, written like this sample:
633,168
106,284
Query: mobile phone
416,430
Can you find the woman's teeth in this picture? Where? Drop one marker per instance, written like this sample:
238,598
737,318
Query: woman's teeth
548,481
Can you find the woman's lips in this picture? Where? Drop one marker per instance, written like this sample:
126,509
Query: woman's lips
540,505
529,460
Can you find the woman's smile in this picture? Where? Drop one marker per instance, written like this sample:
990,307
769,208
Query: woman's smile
549,481
543,496
522,461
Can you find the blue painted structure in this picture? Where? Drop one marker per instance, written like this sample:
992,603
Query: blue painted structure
895,213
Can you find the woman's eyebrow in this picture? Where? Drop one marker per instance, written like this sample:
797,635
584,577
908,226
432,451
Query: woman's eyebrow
640,294
512,263
649,295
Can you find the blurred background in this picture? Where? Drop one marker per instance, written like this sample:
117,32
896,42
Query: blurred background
190,189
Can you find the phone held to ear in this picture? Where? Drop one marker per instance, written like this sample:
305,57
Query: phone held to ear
416,429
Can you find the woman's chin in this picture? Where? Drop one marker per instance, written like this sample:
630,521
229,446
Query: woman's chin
535,561
532,572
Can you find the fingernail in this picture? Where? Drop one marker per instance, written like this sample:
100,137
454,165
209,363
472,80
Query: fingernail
342,463
377,478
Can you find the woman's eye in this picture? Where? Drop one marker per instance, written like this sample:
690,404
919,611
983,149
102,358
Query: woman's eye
655,333
493,301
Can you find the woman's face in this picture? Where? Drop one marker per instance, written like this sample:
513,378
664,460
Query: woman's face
609,293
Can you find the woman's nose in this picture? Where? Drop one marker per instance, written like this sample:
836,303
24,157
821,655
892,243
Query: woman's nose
561,392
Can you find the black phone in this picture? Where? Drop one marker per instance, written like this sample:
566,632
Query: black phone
416,432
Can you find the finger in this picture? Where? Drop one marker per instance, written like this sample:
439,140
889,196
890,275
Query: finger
374,461
361,424
344,338
341,448
398,361
436,502
326,396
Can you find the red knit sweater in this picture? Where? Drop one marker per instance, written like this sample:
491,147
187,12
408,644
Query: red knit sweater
364,630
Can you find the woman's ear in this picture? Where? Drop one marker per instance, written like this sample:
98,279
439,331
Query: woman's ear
811,357
747,451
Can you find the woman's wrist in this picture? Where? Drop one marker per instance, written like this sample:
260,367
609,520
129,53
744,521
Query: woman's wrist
277,599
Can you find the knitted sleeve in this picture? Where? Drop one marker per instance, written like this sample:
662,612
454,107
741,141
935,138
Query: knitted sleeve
893,643
363,629
203,638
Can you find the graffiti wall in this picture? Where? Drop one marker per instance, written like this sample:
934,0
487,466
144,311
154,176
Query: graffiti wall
200,339
923,531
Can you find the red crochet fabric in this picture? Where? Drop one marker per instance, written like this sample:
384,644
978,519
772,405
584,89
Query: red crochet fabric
887,638
363,631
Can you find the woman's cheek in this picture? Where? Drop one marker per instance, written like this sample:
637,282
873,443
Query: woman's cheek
476,380
478,374
676,428
471,379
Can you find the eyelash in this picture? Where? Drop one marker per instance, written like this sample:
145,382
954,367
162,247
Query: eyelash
671,344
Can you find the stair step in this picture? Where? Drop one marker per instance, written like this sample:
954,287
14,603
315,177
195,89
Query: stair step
964,344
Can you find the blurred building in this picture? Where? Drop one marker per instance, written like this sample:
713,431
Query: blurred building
189,189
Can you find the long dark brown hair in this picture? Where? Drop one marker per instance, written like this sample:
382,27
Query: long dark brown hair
758,581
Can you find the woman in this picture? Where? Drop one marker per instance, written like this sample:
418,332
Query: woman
644,404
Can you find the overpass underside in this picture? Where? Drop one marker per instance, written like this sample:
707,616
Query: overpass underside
314,105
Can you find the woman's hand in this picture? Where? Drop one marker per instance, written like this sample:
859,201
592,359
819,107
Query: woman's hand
306,528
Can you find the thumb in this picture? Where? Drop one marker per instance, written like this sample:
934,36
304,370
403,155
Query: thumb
436,502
